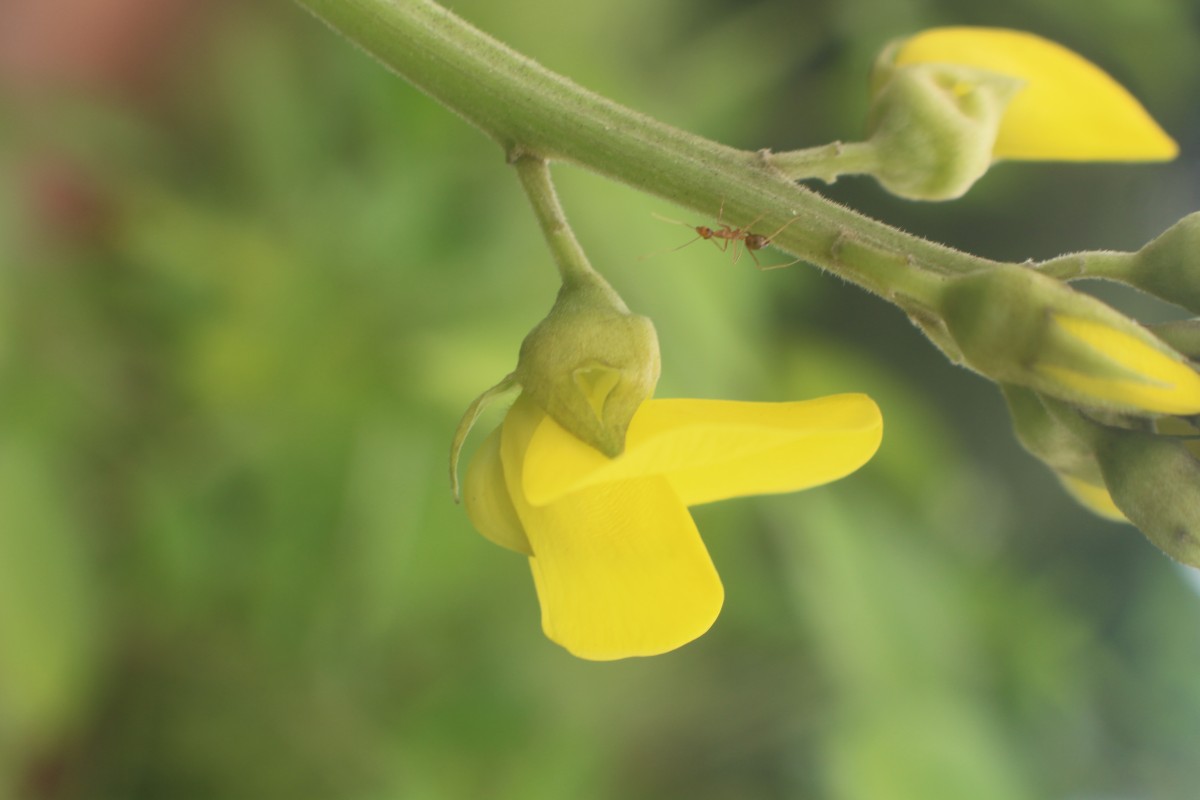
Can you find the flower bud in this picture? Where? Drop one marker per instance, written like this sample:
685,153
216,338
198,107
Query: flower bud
590,363
1092,496
1169,266
1017,326
1068,109
1048,439
933,126
1061,449
1155,481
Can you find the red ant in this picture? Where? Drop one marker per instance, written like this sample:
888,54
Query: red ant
724,234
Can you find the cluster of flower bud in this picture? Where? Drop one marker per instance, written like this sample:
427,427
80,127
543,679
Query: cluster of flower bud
1088,389
1124,474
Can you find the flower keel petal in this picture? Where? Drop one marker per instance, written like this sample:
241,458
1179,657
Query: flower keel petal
486,497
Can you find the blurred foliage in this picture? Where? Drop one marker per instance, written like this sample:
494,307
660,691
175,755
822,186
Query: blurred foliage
239,319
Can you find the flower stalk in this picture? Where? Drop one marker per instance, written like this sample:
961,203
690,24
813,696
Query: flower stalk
827,162
572,262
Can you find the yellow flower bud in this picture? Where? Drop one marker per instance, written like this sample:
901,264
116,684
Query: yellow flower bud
947,102
1067,109
1120,366
1070,457
1017,326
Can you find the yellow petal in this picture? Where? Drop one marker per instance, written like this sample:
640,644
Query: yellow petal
1145,378
486,498
1070,109
1092,497
620,569
714,449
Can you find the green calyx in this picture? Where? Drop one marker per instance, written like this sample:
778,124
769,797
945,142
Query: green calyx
1046,438
1169,266
590,363
933,126
1068,454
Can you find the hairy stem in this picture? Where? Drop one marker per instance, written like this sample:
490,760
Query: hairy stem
530,110
1107,264
572,262
827,162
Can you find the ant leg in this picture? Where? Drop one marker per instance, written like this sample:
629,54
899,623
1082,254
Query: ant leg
754,222
770,267
783,227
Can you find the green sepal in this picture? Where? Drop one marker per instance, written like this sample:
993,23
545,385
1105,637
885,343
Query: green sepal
468,422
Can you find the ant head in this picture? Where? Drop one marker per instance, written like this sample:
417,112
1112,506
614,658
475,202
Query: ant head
704,231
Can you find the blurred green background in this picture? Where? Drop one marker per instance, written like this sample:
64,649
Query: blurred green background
248,282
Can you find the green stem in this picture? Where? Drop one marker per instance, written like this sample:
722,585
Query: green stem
572,262
827,162
530,110
1107,264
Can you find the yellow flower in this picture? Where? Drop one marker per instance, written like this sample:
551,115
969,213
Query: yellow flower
619,567
1069,109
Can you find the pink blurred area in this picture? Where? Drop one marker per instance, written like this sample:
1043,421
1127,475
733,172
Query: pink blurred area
92,45
122,52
